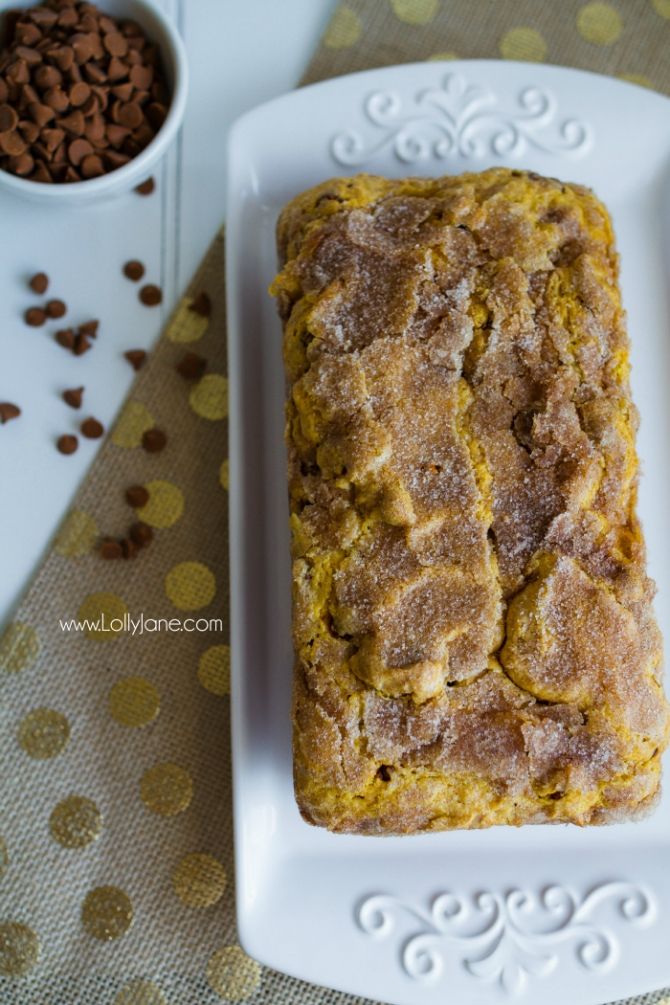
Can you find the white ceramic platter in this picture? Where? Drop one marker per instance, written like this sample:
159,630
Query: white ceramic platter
536,913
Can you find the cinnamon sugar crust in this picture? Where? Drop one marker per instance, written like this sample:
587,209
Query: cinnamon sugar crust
475,642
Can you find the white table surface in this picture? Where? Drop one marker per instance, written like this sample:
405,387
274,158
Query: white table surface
240,54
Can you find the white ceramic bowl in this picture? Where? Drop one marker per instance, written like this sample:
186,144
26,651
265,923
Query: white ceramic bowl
163,32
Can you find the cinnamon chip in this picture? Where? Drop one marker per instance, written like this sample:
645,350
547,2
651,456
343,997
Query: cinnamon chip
128,548
154,440
133,270
8,411
141,534
136,358
81,344
151,295
35,317
65,338
92,429
39,283
201,305
137,496
110,549
115,44
147,187
67,444
191,366
56,309
89,328
73,397
92,166
8,118
79,149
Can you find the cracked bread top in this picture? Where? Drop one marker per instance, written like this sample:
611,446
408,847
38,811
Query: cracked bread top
473,627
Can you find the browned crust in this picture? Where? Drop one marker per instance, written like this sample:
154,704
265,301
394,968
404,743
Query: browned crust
475,642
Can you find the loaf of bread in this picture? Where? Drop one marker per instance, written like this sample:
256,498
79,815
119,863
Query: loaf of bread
473,626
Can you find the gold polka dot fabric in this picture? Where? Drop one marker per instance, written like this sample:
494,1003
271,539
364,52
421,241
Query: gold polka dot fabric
75,822
165,505
629,39
116,862
77,535
199,880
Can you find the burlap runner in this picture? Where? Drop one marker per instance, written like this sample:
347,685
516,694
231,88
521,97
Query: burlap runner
116,844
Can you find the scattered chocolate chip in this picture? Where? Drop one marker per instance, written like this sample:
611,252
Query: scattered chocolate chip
129,548
73,397
191,366
39,283
133,270
146,188
65,337
110,549
141,534
81,344
154,440
89,328
56,309
67,444
136,358
92,429
151,295
137,496
8,411
202,305
35,317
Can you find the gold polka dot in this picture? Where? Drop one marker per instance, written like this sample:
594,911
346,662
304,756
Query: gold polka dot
209,397
165,505
415,11
132,423
223,474
75,822
662,7
523,43
641,81
19,949
186,325
103,614
599,23
4,857
232,974
199,880
44,733
18,647
214,669
438,57
344,29
166,789
133,701
77,535
190,585
140,993
106,913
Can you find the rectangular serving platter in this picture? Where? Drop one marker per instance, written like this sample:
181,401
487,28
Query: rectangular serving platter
478,916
